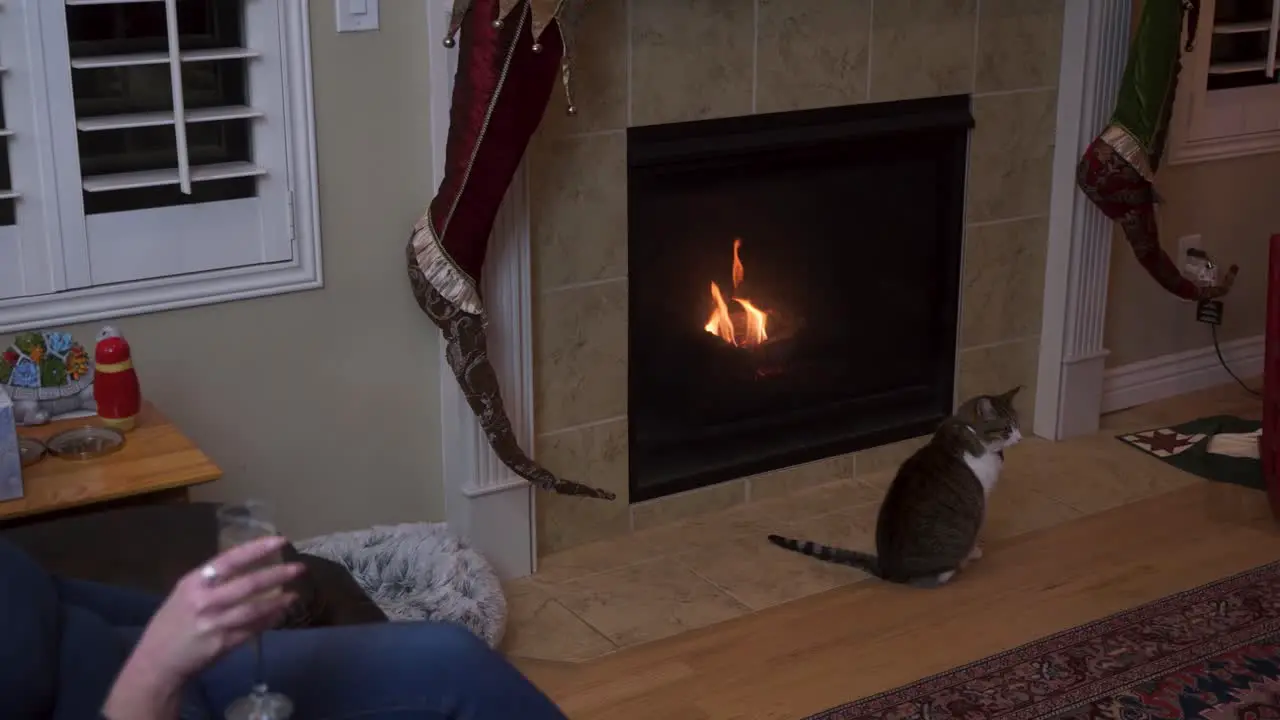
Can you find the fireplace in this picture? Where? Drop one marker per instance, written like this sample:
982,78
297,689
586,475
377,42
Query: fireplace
793,286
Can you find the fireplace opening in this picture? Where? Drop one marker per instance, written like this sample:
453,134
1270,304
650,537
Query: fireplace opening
793,286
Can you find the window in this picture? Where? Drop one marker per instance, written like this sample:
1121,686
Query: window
1228,101
154,154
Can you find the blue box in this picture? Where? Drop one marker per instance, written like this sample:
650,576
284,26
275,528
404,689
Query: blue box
10,455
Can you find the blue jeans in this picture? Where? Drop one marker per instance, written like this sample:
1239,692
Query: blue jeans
62,642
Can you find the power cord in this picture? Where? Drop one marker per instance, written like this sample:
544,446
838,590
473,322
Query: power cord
1213,329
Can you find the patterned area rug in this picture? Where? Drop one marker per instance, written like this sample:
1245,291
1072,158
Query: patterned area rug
1186,447
1207,654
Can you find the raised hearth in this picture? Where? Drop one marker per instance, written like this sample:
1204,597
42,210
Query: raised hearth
794,286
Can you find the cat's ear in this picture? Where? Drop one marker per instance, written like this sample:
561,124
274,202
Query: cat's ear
1009,395
985,408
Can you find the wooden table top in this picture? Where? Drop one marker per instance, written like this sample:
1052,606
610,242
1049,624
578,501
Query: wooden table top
156,456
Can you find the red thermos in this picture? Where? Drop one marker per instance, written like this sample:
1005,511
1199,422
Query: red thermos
115,383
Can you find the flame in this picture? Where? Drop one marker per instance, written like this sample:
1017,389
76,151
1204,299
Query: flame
720,324
739,273
757,323
753,321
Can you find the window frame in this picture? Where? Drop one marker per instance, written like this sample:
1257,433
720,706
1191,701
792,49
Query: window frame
52,270
1220,124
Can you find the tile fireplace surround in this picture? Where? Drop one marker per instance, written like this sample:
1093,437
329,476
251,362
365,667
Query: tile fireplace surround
662,61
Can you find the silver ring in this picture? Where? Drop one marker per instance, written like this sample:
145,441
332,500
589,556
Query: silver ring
209,573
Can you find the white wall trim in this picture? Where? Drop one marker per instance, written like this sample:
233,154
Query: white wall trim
1095,45
484,500
1179,373
303,272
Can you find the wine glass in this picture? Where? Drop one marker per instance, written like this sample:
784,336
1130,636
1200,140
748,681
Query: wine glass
239,523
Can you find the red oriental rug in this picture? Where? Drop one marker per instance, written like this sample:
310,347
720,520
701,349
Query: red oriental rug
1206,654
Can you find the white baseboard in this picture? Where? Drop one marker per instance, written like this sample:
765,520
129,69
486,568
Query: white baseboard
1171,375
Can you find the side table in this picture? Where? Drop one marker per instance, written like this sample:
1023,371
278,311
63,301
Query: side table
157,463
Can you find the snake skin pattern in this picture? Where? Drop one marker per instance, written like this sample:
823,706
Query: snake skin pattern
468,354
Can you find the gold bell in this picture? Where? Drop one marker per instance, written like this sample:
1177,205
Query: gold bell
537,47
572,110
497,24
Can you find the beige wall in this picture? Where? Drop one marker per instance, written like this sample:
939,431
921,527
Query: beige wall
326,402
1232,205
675,60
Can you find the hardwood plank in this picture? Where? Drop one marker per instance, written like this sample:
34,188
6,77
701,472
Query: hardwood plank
848,643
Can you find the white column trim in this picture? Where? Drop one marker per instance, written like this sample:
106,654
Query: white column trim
1095,46
484,501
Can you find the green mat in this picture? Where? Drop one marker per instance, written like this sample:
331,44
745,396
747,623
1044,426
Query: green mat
1185,447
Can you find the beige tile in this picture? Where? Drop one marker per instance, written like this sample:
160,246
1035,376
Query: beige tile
691,60
599,81
1019,44
578,204
647,602
672,508
850,530
922,48
1093,473
776,483
878,460
811,53
709,529
1011,155
580,355
880,479
1003,285
540,627
1015,509
591,559
832,497
760,575
997,368
596,454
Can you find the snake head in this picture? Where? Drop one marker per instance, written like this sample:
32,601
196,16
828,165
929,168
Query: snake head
1216,291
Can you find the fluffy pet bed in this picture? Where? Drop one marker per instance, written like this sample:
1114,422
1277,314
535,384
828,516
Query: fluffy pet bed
420,571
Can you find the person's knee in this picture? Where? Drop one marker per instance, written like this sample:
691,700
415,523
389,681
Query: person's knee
452,647
452,639
29,614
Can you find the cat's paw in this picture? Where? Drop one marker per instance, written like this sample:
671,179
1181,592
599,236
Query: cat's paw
975,553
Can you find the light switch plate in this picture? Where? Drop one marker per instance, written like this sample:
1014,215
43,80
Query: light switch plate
357,15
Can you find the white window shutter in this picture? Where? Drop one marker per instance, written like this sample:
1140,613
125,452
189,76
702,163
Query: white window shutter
112,232
1272,28
1228,99
31,260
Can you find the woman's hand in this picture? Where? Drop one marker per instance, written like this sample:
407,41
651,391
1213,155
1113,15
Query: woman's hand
209,612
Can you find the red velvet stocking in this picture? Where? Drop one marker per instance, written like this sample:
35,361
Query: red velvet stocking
500,93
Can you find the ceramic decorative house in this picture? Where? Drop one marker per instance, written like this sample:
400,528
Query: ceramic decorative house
46,374
10,455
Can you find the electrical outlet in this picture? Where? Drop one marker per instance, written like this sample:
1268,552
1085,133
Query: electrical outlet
1185,243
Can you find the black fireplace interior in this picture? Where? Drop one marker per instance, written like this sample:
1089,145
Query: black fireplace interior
832,238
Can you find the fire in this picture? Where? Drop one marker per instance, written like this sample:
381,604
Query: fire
746,327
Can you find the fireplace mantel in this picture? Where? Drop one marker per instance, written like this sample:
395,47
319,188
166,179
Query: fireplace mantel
495,509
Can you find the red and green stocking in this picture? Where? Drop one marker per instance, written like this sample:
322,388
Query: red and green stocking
1117,171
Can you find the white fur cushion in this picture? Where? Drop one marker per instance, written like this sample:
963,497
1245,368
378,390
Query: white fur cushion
420,571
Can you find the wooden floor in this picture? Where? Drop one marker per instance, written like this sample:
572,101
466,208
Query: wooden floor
812,654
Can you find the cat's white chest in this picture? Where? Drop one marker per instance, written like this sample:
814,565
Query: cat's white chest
986,467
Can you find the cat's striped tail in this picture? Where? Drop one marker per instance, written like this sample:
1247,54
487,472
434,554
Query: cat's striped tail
863,561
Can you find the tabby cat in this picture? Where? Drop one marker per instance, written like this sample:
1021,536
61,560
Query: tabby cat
928,524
